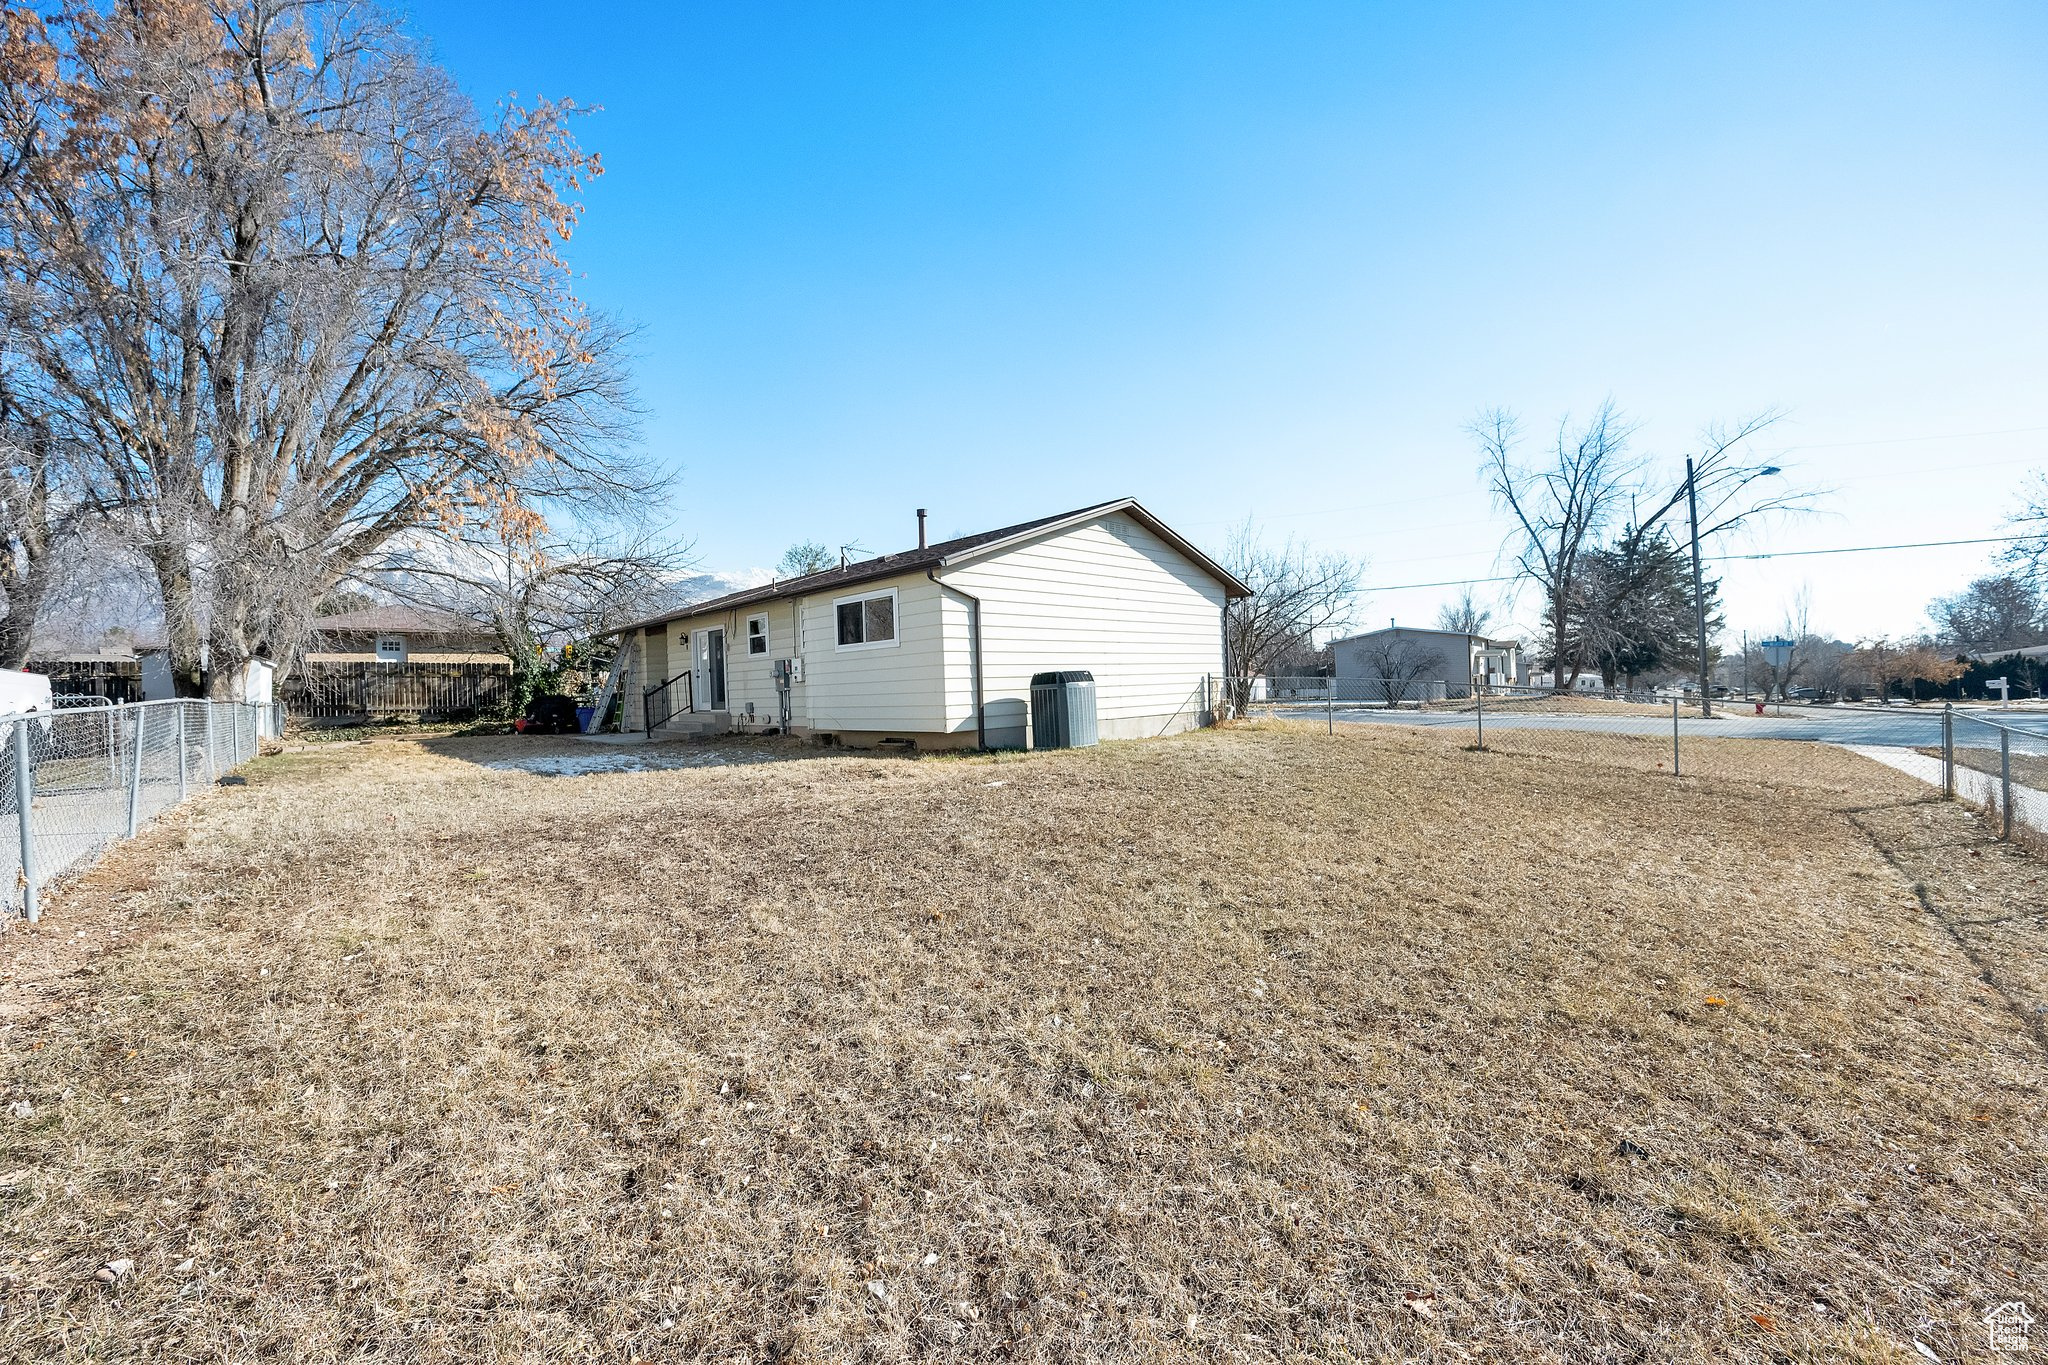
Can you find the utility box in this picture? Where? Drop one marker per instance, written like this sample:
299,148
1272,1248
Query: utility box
1063,709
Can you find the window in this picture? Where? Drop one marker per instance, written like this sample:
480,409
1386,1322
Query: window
390,649
757,635
866,622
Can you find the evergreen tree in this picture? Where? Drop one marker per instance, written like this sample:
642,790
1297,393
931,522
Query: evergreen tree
1634,614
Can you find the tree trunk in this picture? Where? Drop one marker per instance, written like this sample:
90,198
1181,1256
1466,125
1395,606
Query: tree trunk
182,638
1558,615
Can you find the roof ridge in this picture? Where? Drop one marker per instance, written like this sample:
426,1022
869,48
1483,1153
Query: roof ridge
880,566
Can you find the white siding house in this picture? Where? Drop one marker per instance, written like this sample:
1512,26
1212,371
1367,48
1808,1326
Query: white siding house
937,645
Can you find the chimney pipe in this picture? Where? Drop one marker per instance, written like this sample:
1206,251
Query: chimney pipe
920,528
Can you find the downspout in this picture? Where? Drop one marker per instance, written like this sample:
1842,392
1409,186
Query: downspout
1227,684
973,652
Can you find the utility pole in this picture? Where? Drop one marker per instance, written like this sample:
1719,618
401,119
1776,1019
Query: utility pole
1699,587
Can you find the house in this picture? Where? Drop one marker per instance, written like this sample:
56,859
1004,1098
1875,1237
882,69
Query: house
1428,664
113,669
398,635
936,646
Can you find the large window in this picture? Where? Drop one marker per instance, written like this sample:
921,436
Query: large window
866,622
757,635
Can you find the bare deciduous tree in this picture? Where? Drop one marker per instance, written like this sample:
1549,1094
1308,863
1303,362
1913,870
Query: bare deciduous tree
1720,477
536,593
1399,664
1997,612
289,296
1297,595
1564,506
1561,507
1463,615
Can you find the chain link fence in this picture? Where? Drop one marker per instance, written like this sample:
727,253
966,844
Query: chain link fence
1997,761
76,779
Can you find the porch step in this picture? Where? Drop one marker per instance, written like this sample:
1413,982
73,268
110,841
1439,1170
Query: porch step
695,724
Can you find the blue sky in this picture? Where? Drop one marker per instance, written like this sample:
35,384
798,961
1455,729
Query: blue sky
1268,260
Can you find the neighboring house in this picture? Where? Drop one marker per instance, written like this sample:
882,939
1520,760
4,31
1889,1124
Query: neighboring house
1425,657
937,645
400,635
114,671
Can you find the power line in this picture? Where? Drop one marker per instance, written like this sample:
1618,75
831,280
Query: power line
1718,559
1866,549
1914,440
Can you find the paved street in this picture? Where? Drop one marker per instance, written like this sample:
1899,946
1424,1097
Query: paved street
1902,728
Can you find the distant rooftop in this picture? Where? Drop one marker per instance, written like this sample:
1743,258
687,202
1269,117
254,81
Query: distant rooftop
397,621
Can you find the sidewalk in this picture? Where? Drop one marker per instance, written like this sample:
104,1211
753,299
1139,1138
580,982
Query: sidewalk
2029,804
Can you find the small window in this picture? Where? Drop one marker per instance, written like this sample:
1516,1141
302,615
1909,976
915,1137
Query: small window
390,649
865,622
757,635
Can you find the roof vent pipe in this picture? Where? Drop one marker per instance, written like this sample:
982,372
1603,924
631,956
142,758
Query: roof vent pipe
920,528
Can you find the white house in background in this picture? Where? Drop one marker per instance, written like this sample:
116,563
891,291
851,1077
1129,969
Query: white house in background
1431,662
936,646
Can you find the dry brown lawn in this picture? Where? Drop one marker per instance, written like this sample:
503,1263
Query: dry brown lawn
1246,1045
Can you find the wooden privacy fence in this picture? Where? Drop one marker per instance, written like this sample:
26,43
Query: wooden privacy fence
373,691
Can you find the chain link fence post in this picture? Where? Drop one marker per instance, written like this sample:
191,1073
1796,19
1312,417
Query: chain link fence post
212,754
24,795
1479,711
135,773
179,708
2005,782
1674,736
1948,752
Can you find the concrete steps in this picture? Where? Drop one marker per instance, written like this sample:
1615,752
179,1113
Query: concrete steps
694,725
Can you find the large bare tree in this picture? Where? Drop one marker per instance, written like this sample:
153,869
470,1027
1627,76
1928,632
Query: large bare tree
1561,507
1996,612
289,295
1298,594
1566,505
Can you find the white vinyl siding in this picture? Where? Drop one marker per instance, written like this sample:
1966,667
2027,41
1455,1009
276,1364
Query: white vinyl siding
863,688
749,677
1108,596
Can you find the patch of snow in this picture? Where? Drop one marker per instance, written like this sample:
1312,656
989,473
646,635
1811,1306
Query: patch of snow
630,761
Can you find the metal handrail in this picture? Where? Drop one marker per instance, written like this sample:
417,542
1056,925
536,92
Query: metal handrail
647,697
